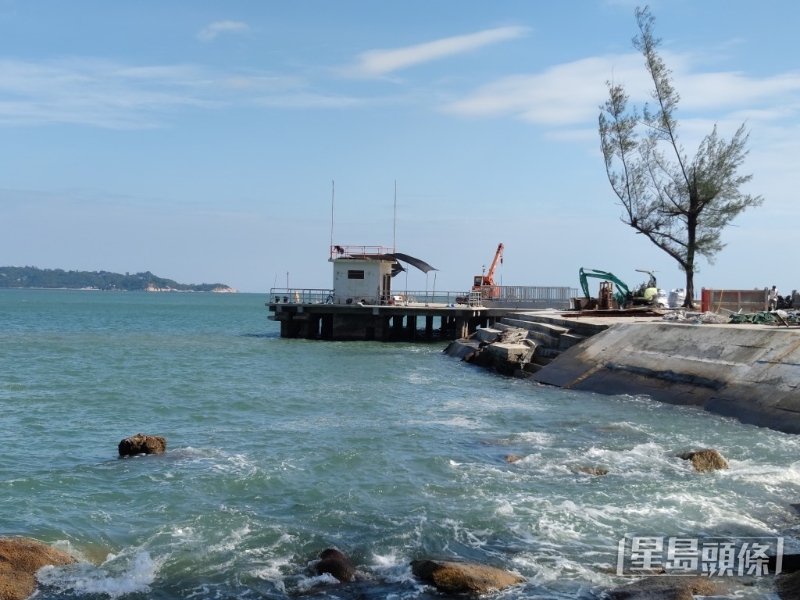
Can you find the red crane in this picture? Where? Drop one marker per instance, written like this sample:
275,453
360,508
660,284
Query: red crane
485,283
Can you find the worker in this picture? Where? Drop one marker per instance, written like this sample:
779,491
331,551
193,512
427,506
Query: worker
773,298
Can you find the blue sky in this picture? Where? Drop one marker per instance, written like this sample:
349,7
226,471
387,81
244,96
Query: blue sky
199,140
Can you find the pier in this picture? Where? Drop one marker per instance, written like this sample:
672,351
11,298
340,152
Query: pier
404,322
412,316
364,305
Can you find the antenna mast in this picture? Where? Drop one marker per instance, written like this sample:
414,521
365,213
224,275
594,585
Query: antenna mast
394,222
333,189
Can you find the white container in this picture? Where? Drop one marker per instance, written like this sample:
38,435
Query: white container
676,298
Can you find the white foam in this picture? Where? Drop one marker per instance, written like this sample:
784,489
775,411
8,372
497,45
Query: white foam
385,561
537,437
306,583
114,577
504,508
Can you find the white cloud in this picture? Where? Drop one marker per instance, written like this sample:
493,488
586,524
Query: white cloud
570,94
311,100
210,33
108,94
376,63
562,95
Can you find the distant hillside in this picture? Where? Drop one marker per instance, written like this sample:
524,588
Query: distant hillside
31,277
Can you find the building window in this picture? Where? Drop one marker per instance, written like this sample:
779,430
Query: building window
355,274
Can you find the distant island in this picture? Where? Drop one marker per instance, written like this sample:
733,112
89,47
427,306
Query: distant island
33,278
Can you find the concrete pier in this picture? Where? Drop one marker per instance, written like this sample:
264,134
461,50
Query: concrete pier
382,323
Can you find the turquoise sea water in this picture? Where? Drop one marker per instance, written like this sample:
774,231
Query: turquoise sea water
390,452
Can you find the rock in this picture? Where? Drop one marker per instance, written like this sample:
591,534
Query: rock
452,577
587,470
667,588
705,460
788,586
20,558
335,563
142,444
512,458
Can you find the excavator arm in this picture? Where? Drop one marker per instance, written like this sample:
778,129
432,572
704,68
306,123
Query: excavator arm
622,289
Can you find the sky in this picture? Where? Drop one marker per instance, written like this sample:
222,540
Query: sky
213,141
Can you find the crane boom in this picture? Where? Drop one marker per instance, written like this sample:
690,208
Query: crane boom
498,256
485,283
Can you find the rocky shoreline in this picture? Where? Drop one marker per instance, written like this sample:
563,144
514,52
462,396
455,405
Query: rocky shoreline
333,572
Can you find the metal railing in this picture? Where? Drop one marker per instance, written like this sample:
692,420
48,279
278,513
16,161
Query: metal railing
528,296
554,297
301,296
324,296
531,293
359,251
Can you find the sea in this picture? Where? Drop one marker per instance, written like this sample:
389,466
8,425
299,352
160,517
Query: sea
390,452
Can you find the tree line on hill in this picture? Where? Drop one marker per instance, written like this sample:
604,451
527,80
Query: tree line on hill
32,277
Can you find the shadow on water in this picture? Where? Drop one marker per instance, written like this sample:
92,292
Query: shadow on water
271,334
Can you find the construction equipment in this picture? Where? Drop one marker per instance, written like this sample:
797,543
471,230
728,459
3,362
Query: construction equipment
485,283
643,295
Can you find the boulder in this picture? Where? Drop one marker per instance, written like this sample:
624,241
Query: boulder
20,558
705,460
788,586
667,588
451,577
142,444
589,470
335,563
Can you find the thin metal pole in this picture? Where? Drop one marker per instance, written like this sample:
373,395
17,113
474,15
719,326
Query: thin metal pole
394,221
333,190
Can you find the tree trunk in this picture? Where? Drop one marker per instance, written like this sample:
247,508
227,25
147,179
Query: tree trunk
688,303
691,240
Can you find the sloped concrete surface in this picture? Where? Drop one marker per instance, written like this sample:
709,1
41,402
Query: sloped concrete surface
750,373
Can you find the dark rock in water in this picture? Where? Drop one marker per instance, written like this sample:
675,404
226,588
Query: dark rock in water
667,588
705,460
789,563
20,558
788,586
453,577
588,470
335,563
142,444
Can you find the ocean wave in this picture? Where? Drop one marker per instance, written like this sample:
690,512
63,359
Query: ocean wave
119,575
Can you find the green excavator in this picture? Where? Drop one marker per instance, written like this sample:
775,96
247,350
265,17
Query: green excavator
643,295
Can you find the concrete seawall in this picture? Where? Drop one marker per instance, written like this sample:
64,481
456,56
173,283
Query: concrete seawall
748,372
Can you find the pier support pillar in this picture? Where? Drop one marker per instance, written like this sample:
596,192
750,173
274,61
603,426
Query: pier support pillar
474,322
288,325
462,327
411,327
326,330
312,328
382,328
428,327
397,327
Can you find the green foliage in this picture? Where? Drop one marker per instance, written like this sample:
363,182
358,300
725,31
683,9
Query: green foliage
681,204
31,277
